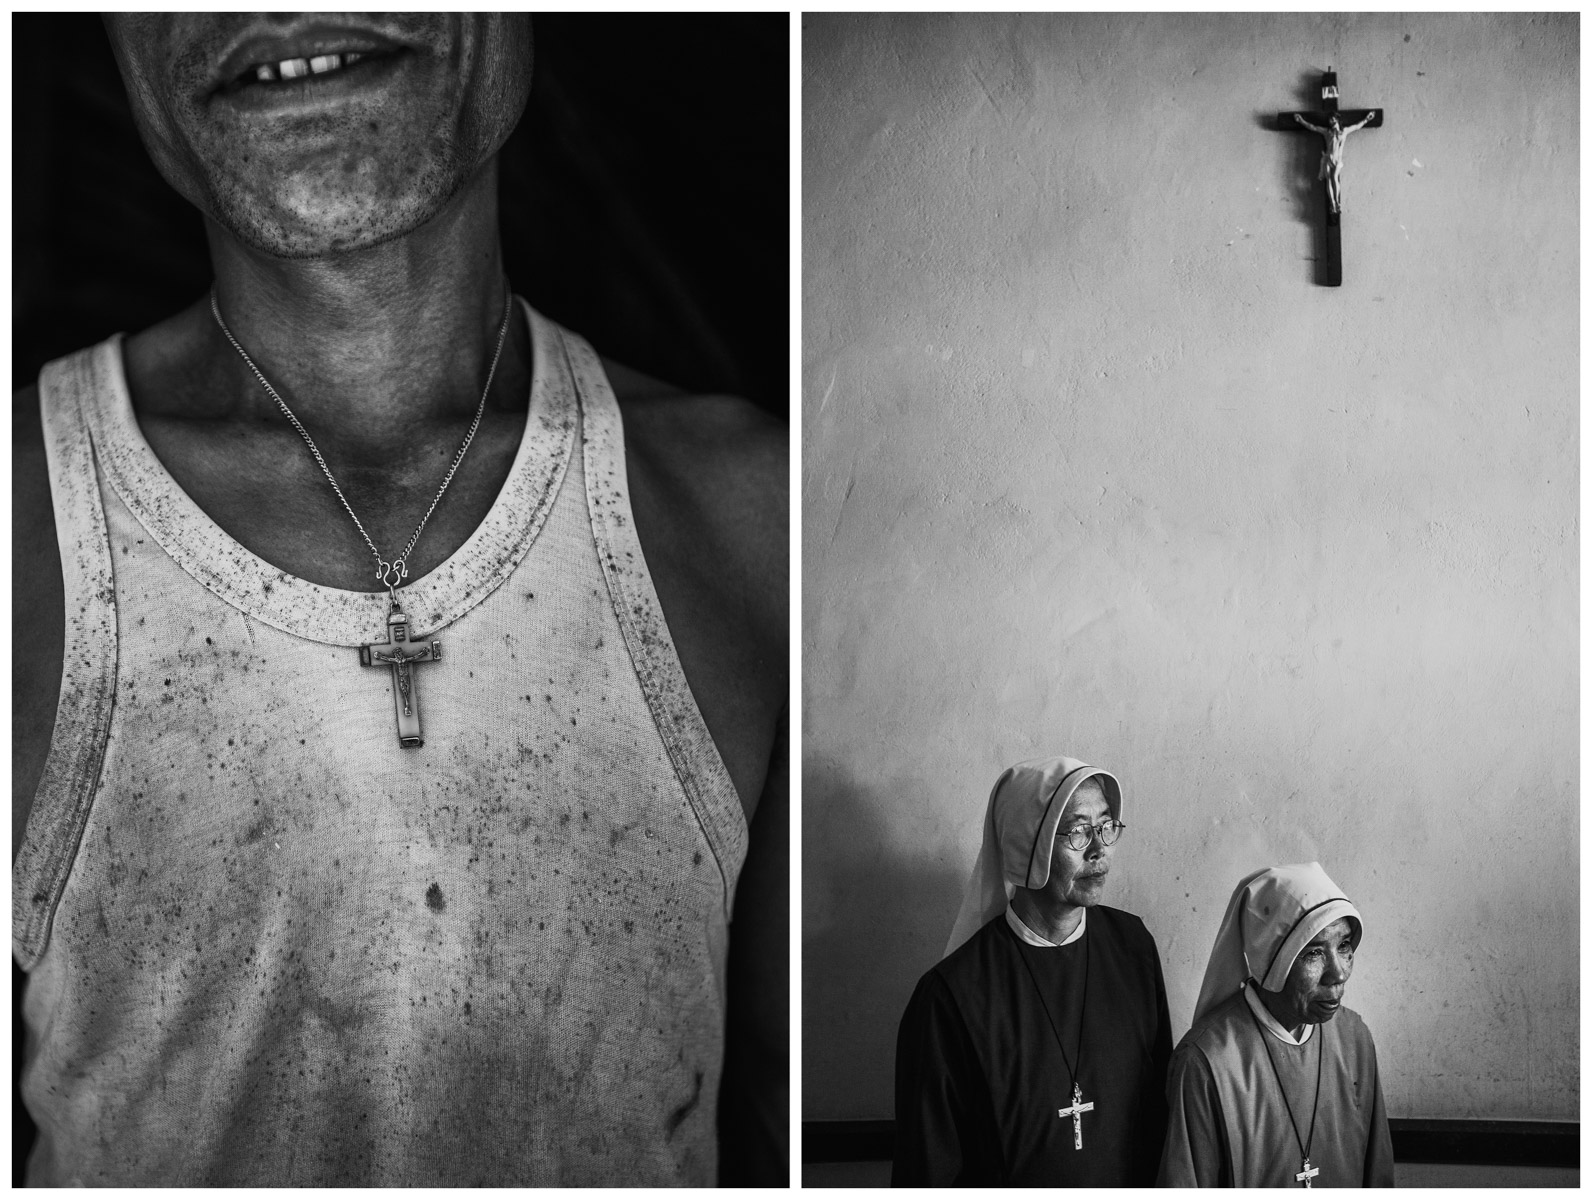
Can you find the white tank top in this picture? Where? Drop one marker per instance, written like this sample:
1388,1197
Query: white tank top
266,945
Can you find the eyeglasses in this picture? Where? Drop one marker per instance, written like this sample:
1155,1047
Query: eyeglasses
1079,836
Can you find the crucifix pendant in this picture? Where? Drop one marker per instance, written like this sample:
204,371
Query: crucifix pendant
399,653
1307,1174
1076,1113
1333,126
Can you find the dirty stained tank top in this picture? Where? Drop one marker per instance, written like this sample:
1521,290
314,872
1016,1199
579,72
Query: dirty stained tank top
265,945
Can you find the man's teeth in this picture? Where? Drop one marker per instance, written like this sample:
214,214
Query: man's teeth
297,68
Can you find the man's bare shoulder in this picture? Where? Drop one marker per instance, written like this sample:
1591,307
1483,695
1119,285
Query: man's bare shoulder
719,463
709,492
157,350
688,433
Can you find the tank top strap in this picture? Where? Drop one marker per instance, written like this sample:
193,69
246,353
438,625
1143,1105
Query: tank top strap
695,757
88,668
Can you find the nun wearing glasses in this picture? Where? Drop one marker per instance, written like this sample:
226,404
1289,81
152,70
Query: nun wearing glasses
1035,1052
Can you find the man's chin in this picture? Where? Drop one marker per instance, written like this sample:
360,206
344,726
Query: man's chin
301,219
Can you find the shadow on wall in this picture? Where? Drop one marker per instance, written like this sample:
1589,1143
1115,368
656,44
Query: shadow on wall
872,922
1302,164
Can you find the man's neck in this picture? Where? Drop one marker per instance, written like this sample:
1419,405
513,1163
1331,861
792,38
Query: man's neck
381,354
380,339
1050,919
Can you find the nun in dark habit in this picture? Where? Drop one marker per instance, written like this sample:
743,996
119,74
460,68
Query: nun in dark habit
1036,1051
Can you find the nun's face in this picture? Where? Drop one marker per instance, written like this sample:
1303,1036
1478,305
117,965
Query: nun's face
1313,991
1078,877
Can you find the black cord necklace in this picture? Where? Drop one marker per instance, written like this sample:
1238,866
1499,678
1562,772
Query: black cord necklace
1078,1107
1309,1172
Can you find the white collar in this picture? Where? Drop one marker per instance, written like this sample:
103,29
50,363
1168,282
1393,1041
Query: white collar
1033,939
1270,1023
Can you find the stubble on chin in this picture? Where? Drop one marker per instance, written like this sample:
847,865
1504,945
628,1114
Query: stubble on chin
331,206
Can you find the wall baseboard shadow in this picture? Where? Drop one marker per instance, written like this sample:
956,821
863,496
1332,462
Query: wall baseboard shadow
1481,1143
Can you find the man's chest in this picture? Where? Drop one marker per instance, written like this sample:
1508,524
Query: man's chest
379,942
266,491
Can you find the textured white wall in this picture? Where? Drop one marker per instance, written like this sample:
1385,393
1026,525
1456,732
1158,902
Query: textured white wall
1092,465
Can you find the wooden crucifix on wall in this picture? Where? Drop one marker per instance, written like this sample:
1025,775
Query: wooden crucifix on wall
1334,128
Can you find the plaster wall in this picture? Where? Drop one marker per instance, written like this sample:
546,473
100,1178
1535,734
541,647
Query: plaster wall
1091,465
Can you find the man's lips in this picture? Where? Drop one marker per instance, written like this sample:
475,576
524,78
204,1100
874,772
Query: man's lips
293,55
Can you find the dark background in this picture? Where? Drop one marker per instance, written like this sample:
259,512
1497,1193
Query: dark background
645,204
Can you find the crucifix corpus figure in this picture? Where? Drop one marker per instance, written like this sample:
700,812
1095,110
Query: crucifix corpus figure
1335,134
399,653
1076,1111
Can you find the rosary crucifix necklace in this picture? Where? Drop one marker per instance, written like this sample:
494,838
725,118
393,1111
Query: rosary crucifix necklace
1077,1108
1307,1172
398,652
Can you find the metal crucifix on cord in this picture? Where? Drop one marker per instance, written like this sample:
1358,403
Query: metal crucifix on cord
1076,1111
399,653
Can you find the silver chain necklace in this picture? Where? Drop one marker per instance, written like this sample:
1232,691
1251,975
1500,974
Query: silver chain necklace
391,574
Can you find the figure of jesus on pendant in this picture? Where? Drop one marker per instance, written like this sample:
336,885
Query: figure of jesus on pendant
399,653
1076,1113
1307,1174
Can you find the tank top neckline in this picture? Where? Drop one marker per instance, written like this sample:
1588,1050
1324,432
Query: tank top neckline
315,611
